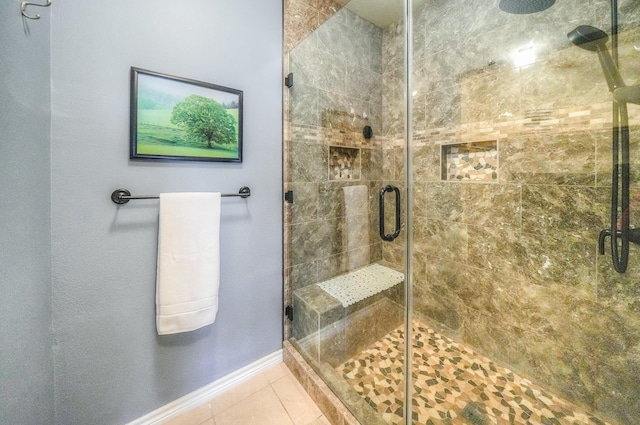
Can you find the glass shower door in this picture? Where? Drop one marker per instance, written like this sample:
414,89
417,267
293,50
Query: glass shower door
521,314
345,224
520,223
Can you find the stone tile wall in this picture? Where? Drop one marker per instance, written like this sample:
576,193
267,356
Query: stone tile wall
337,91
509,267
512,267
302,17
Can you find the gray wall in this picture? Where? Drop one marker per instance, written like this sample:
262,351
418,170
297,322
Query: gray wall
111,367
26,373
97,271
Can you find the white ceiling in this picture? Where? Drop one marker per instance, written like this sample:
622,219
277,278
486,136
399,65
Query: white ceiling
379,12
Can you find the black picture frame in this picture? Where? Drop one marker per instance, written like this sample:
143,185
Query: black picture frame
174,118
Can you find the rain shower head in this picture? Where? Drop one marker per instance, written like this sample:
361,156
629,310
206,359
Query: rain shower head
523,7
595,40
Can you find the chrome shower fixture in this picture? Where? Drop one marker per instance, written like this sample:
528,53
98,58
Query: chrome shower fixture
523,7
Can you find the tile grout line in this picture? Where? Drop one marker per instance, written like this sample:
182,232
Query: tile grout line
282,403
242,400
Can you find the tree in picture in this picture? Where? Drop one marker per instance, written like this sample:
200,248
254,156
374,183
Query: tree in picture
205,120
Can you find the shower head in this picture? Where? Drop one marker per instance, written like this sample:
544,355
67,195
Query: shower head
595,40
589,38
523,7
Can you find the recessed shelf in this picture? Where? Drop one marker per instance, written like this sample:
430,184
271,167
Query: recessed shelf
344,163
471,161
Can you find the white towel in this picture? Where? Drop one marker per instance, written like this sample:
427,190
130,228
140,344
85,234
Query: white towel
356,200
188,261
356,234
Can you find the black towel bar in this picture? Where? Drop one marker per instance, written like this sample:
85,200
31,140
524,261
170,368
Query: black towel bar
122,196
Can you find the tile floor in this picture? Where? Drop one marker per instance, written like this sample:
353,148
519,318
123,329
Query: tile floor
272,398
453,385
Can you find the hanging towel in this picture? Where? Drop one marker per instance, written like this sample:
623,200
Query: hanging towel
188,261
356,234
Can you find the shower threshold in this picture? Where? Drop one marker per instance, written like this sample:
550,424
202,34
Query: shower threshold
452,385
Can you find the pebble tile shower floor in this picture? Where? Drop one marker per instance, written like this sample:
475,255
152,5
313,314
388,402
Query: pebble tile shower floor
453,385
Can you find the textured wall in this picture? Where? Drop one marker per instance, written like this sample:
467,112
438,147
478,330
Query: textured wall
26,372
302,17
111,367
337,79
511,267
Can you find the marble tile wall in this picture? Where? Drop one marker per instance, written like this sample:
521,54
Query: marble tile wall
302,17
509,267
512,267
337,74
337,91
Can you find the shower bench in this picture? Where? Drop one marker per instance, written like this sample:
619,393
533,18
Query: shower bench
337,318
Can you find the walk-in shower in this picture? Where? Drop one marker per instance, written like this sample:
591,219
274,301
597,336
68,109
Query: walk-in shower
446,269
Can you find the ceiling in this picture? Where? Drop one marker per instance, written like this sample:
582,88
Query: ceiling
379,12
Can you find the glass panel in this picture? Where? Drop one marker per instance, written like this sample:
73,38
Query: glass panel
345,145
517,317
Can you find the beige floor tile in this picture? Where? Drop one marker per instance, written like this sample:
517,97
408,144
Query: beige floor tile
320,421
199,415
277,372
239,393
262,408
296,401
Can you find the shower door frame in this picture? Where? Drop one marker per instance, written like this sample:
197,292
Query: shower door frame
408,149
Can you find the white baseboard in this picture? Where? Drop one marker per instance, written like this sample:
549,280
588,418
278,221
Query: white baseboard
206,393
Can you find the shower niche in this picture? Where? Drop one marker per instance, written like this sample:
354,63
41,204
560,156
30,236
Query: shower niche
344,163
470,161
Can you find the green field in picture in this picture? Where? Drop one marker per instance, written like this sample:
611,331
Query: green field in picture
158,136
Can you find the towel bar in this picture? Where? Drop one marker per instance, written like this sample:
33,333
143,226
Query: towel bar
122,196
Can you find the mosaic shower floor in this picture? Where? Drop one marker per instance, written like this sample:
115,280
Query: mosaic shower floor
453,386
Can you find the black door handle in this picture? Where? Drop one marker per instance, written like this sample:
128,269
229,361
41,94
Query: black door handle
383,235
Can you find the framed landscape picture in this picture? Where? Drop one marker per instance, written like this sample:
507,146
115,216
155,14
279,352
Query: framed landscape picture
175,118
